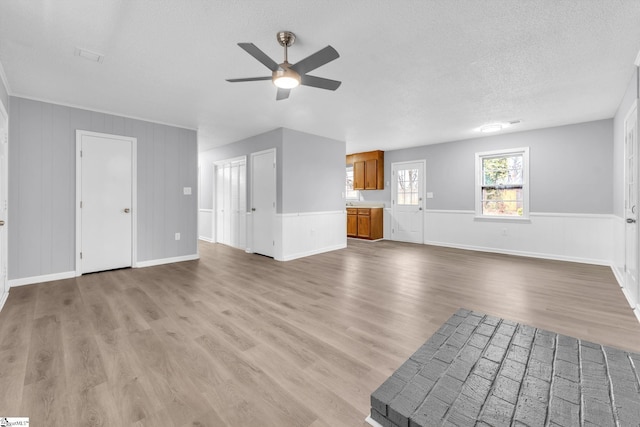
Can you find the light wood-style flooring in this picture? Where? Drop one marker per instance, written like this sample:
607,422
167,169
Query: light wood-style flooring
242,340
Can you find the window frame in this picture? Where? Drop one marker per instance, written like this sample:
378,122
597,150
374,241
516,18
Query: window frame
356,197
524,152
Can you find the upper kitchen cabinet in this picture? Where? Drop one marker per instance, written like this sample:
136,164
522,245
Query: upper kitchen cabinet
368,170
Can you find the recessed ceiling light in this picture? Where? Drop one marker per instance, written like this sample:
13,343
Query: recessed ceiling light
496,127
88,55
492,127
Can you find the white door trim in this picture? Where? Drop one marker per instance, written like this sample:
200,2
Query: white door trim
630,290
134,194
423,187
4,286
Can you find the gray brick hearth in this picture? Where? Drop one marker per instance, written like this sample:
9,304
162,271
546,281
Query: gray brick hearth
480,370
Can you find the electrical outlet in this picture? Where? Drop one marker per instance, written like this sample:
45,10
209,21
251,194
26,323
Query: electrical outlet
177,236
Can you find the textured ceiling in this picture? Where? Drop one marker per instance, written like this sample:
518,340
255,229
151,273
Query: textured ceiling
414,72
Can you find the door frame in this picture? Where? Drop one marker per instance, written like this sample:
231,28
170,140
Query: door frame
394,194
4,269
251,229
134,193
627,286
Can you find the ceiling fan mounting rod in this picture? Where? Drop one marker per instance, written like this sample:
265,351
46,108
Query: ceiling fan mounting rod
286,39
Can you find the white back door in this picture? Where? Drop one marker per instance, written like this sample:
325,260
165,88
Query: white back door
408,201
631,207
106,178
263,201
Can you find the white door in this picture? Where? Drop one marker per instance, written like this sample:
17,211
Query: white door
238,202
4,151
106,224
631,207
408,201
263,201
219,198
231,203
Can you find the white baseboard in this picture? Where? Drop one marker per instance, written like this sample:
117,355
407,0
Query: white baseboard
206,239
290,257
619,275
372,422
3,299
153,262
44,278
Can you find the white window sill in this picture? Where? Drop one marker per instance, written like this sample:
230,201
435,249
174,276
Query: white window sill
487,218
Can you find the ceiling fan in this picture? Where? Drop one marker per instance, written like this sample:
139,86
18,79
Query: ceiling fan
287,76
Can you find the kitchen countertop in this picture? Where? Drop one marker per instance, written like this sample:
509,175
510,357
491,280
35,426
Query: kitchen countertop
366,205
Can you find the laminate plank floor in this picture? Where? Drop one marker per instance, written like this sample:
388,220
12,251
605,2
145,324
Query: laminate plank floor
235,339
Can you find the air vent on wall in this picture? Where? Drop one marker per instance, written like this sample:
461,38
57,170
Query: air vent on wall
88,55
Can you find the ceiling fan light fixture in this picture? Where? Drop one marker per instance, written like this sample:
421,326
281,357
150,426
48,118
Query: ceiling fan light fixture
286,78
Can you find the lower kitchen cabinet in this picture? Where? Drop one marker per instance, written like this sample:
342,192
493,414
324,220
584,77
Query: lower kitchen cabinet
365,223
352,222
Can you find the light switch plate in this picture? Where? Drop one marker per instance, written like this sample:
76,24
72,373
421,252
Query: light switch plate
429,195
187,191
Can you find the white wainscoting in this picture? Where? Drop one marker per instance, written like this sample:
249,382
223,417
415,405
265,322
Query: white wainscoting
309,233
205,225
586,238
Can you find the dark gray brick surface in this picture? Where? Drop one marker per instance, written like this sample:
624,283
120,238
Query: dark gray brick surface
479,370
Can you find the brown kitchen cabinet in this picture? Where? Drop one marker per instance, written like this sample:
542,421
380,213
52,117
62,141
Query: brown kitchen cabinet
364,223
368,170
352,222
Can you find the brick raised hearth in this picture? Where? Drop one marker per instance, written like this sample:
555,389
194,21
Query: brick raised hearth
479,370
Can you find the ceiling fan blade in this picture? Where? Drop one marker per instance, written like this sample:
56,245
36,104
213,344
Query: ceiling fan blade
249,79
319,82
259,55
282,94
315,60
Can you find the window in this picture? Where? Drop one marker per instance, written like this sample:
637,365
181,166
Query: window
502,184
350,193
407,187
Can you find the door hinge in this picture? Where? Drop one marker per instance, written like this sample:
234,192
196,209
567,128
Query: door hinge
274,243
80,204
80,153
80,255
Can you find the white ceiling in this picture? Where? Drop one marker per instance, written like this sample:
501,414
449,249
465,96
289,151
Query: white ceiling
413,72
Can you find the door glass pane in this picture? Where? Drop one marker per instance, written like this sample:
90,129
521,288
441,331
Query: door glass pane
407,181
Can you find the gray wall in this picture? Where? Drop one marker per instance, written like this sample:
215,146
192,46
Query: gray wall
631,94
42,186
312,173
570,168
309,169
